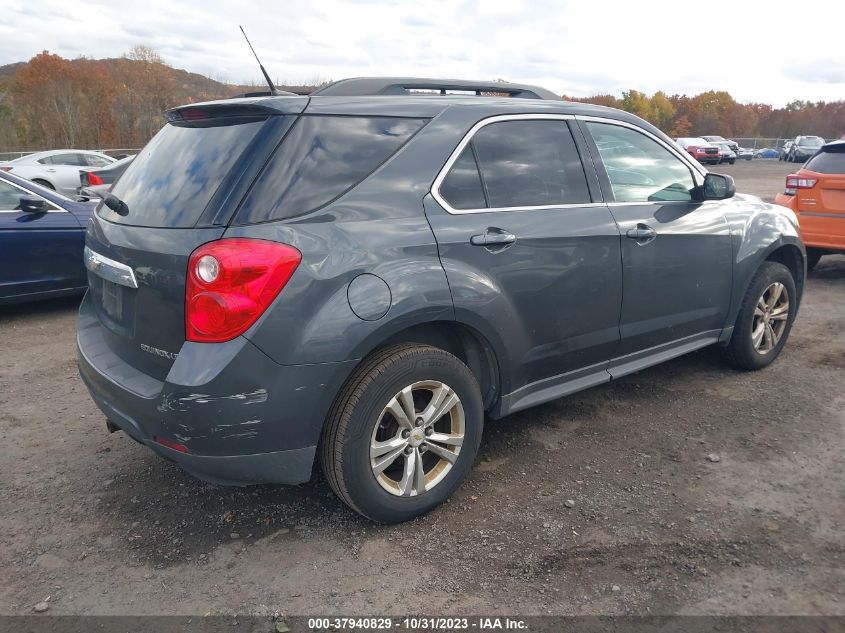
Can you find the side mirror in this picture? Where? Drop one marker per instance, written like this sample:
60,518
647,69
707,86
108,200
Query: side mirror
718,187
33,204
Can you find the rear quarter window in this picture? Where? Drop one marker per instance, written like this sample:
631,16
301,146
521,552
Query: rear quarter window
827,162
320,159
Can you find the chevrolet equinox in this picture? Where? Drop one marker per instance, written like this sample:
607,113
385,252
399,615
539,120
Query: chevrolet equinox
357,277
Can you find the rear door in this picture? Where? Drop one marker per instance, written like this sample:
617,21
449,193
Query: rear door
180,190
39,252
676,251
529,252
821,208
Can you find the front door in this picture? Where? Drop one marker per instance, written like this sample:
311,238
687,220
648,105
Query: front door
676,251
531,259
39,252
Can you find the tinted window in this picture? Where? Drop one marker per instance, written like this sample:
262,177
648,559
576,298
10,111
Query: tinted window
95,161
639,168
77,160
828,162
462,186
320,159
530,163
10,197
172,179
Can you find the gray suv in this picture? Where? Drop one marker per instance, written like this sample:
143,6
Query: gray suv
359,276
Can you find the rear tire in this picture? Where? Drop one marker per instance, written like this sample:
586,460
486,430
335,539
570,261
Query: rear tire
43,183
813,257
765,318
387,450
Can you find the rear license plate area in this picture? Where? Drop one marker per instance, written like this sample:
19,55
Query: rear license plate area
112,300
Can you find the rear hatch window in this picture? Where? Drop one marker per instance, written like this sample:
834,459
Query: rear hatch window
831,160
171,181
320,159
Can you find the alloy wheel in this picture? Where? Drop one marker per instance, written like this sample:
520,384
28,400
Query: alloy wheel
417,438
770,317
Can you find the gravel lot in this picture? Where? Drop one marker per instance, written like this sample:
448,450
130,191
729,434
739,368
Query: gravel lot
94,523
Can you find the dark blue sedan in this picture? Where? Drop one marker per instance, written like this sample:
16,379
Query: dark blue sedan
42,236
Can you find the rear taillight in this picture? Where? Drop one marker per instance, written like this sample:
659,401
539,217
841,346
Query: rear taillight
94,179
7,168
230,283
794,182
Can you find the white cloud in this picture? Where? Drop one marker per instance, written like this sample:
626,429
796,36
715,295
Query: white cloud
574,47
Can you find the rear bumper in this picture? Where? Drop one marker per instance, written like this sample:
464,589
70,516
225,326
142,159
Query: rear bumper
243,418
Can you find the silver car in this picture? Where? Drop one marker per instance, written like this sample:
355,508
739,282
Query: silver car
56,169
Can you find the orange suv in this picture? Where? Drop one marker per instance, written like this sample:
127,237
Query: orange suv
816,193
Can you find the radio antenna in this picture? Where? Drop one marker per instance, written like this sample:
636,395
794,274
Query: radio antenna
273,90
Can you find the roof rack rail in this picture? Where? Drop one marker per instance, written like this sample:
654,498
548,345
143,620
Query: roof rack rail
363,86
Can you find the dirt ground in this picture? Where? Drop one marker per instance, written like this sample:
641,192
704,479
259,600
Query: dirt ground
95,523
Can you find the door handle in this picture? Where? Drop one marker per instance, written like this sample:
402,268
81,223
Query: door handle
52,170
642,233
493,237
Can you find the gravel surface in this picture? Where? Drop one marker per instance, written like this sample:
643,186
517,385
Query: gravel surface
687,488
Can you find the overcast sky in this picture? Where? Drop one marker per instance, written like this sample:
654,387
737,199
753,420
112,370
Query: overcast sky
772,52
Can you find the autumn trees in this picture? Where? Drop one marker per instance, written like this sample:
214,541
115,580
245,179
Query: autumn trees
716,112
52,102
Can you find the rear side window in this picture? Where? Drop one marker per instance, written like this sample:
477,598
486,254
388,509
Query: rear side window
320,159
462,187
530,163
828,162
170,182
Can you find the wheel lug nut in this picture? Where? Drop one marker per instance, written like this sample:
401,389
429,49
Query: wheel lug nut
406,433
408,450
423,448
418,422
429,431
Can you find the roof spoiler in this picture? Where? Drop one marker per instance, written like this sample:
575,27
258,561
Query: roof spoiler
365,86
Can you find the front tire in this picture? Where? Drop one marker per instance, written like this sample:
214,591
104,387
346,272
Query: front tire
765,318
403,433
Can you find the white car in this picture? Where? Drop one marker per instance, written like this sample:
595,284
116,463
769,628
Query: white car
57,169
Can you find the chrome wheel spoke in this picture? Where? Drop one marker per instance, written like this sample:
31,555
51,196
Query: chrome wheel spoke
406,486
379,465
395,408
775,292
377,449
446,438
433,413
443,453
757,334
769,337
419,473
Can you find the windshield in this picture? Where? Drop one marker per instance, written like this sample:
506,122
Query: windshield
810,141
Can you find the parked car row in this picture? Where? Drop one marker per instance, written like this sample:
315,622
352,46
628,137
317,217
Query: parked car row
711,150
